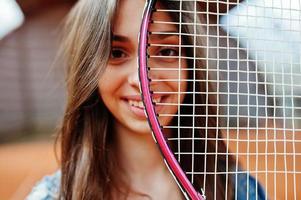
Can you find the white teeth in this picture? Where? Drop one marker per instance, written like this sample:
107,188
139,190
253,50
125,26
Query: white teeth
157,100
136,103
140,103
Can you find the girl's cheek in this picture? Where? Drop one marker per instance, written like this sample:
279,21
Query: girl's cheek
106,82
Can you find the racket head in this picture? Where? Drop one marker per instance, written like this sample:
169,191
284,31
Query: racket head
147,96
242,132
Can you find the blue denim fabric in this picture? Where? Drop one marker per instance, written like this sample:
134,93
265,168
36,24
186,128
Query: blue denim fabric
245,184
48,188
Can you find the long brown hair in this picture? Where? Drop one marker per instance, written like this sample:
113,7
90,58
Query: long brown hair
88,164
85,166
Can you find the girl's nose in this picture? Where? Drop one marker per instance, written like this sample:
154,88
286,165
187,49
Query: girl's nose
133,77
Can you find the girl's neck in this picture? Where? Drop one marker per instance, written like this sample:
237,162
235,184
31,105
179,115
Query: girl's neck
142,165
137,153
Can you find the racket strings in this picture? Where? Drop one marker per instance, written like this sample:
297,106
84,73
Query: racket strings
244,93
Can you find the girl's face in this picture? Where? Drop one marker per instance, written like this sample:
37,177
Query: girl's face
119,85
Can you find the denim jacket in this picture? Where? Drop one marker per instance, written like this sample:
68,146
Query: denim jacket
48,188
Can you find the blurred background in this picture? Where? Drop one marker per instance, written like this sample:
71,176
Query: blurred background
32,91
33,95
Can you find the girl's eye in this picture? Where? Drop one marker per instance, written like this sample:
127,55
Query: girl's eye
168,52
117,54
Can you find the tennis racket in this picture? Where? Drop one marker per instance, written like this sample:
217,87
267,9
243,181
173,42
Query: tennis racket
221,86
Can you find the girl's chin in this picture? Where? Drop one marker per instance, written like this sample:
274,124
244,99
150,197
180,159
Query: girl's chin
141,128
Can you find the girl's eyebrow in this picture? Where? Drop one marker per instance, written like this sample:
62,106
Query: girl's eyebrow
120,38
153,36
163,35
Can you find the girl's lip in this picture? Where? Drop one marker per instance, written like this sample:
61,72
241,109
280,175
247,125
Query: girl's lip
138,111
139,98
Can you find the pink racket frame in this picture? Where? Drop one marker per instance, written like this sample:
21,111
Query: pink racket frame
170,160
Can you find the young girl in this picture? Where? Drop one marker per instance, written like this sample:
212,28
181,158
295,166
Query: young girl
107,150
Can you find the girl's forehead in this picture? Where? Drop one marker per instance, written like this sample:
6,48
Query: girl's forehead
162,21
129,16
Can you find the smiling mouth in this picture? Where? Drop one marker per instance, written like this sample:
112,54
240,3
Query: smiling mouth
136,105
139,103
